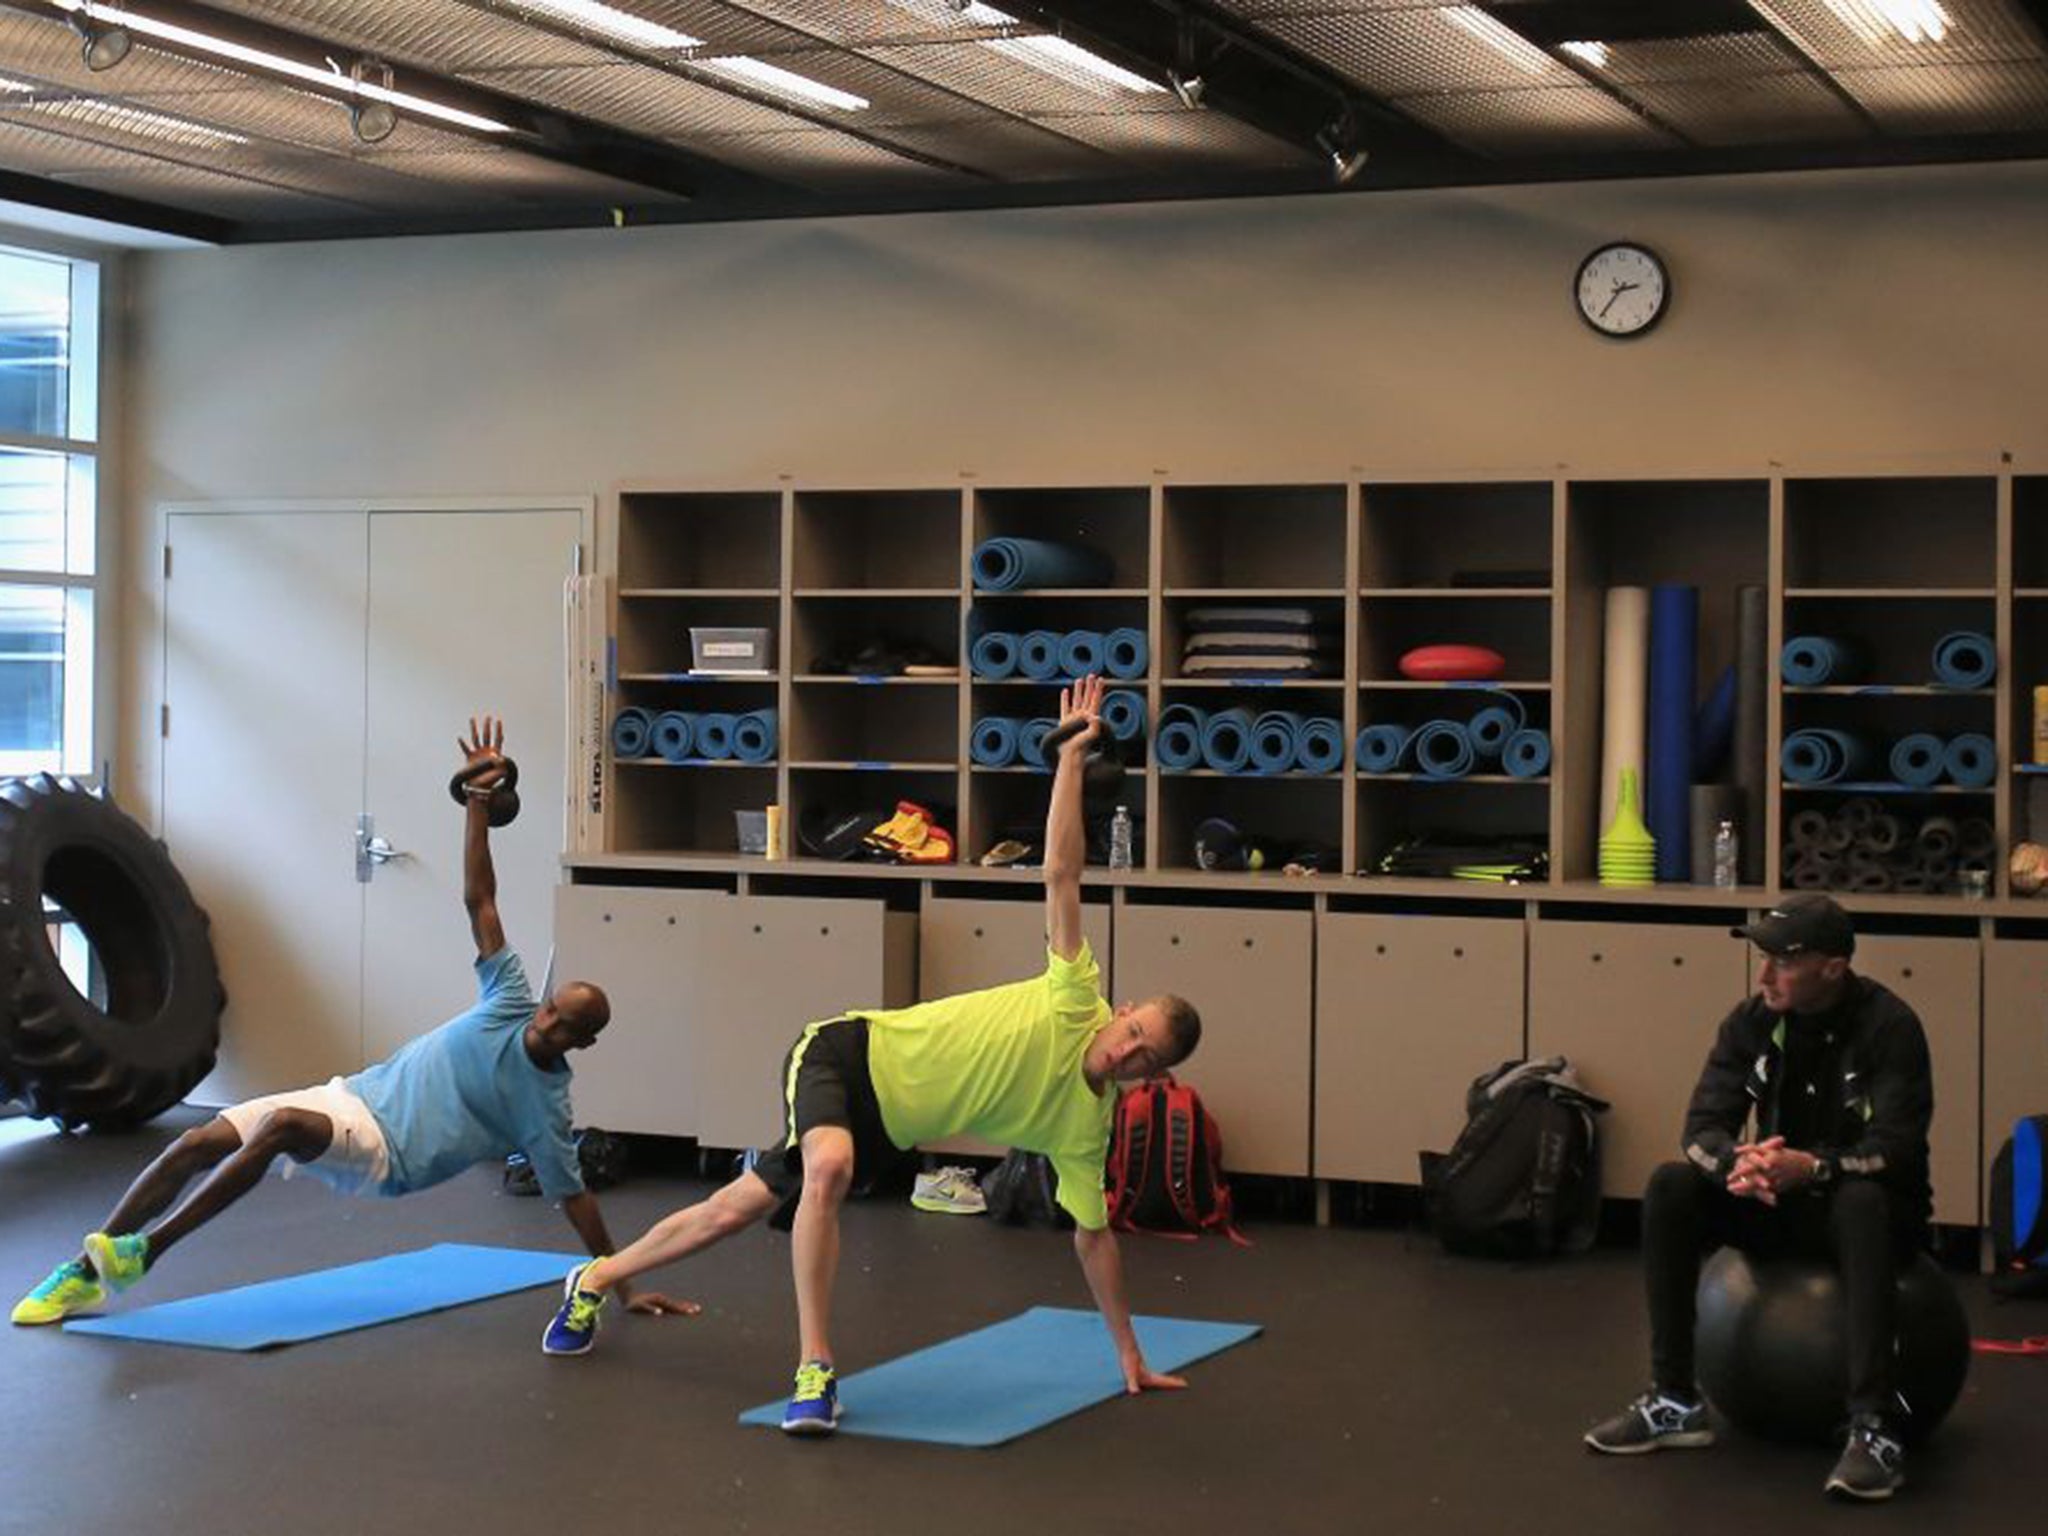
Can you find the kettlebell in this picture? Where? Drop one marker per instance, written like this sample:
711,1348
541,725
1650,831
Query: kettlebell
1102,774
504,801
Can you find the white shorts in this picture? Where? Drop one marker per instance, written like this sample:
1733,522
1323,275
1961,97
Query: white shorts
356,1162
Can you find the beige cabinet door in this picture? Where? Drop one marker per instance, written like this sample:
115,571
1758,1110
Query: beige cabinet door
1939,978
1408,1011
784,962
1635,1007
651,949
1248,973
2015,1039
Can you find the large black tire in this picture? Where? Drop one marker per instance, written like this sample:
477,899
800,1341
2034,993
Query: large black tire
160,1029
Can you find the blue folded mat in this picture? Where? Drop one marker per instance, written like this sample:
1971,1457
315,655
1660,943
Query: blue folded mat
714,735
632,733
994,655
1177,739
1918,759
1031,741
1276,741
1126,653
1123,713
1322,745
1965,659
1815,661
326,1301
1383,748
1443,750
997,1383
994,741
1971,760
1527,754
1081,652
754,736
1008,565
674,735
1227,740
1038,655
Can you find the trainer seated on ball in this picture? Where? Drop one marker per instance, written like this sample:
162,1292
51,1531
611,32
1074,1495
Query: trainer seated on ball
486,1083
1829,1072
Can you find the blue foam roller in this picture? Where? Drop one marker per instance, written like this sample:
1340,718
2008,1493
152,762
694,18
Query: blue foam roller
1126,653
1177,738
995,741
1007,565
1444,750
1081,652
1031,740
1038,655
714,735
754,736
994,655
1527,754
1667,759
675,734
1713,731
1918,759
1972,760
632,733
1227,740
1491,728
1965,659
1381,748
1276,741
1815,661
1322,745
1123,714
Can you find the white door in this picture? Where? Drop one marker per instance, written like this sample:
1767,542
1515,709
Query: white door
320,665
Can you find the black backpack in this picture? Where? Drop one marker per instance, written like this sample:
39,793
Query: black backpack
1522,1181
1023,1191
2019,1211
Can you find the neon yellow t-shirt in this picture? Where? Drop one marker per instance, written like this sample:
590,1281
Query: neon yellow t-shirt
1003,1064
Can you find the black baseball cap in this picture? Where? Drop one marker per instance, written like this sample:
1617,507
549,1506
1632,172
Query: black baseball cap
1809,923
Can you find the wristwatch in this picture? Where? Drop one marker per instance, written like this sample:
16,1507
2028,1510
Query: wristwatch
1823,1167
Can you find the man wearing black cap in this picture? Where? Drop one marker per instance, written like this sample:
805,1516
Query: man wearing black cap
1826,1073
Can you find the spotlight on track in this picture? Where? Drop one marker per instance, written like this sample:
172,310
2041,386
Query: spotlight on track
371,119
1189,88
1347,157
101,44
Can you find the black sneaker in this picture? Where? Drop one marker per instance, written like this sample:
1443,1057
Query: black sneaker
1873,1464
1655,1421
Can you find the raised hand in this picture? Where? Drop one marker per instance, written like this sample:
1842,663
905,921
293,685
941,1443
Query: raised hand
1082,701
486,743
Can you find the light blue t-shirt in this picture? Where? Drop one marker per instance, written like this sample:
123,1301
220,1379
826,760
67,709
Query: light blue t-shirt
468,1092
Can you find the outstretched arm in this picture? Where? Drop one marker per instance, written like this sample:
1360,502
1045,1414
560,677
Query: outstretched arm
1066,838
583,1213
1104,1267
479,878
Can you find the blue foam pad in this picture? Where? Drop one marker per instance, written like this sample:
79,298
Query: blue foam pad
999,1382
312,1306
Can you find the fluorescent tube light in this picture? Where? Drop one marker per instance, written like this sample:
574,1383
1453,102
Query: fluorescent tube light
784,82
1594,54
1500,37
1056,56
637,31
1882,22
609,21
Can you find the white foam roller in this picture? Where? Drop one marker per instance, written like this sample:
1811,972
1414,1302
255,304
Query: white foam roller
1625,695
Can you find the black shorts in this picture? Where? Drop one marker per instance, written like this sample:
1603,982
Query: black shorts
825,1081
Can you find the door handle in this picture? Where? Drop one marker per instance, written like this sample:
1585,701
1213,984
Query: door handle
372,850
378,851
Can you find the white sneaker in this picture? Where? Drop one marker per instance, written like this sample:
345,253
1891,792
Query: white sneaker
949,1190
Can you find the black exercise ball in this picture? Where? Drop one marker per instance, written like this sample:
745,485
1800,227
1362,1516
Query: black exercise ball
1772,1351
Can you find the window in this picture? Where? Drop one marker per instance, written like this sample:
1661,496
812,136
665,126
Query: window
49,432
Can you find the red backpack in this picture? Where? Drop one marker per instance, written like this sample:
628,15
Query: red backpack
1166,1164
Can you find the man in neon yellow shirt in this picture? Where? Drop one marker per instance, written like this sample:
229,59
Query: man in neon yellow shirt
1034,1064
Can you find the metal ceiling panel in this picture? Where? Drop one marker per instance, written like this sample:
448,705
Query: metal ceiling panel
527,178
443,36
1397,53
1009,149
1849,34
824,160
721,28
34,148
211,192
642,99
1261,9
865,23
1960,98
304,118
1757,110
984,73
1178,141
1728,57
1536,122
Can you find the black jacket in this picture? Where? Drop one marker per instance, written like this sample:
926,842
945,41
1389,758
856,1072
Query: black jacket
1872,1091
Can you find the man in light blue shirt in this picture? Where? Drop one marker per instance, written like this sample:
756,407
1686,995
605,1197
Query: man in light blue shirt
490,1081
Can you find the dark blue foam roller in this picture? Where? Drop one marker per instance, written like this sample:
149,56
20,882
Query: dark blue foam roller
1444,750
1322,745
1038,655
754,736
1123,714
1177,739
1815,661
1527,754
1382,748
994,741
1918,759
1008,565
1972,760
1276,741
674,735
1126,653
632,733
1810,757
1080,652
994,655
714,735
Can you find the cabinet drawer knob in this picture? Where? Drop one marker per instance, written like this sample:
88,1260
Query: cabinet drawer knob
1596,957
1906,971
1457,951
1247,943
1379,949
977,933
1175,941
1678,959
757,927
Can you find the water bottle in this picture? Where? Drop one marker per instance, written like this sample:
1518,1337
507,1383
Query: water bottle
1726,867
1120,839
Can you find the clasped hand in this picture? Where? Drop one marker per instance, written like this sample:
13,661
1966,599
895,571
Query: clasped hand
1766,1169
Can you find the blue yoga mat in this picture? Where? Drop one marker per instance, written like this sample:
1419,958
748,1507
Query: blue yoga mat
1227,740
1965,659
999,1382
1276,741
1126,653
1527,755
1177,742
1443,750
1815,661
1081,652
312,1306
632,733
1674,666
994,655
1322,745
1917,759
1492,726
754,735
1123,713
714,735
1381,748
1038,655
1031,740
675,735
1005,565
1972,760
1823,757
994,742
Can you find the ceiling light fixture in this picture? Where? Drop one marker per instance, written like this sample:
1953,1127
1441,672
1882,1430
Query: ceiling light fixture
1882,22
1594,54
1056,56
275,63
784,82
1189,88
1339,141
101,46
371,120
1499,36
1185,77
610,21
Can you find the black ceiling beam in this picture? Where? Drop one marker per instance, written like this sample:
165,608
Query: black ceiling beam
112,208
552,135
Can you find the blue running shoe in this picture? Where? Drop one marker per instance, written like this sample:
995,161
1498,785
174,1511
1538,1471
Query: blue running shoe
814,1406
573,1330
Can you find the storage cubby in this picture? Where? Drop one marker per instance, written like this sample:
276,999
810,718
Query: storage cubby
1469,538
700,541
1012,803
1115,521
1254,538
1900,533
1325,616
1896,635
1325,700
829,634
1283,814
658,808
816,791
2028,661
654,631
1392,624
888,721
1477,810
876,541
2030,534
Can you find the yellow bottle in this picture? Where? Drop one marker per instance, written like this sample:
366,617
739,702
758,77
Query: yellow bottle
2041,725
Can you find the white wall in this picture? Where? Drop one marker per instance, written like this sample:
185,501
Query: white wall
1819,320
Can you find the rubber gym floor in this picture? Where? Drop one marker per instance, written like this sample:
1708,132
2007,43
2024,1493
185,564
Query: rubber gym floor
1395,1389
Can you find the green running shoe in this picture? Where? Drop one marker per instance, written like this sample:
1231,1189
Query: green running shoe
70,1288
119,1261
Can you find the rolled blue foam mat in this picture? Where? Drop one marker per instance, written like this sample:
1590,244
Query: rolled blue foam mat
714,734
1038,655
1816,661
632,733
994,741
1006,1380
1322,745
1126,653
1918,759
1965,659
1381,748
1527,754
674,735
994,655
1227,740
1031,740
1081,652
754,736
1971,760
1123,713
1443,750
1822,756
1491,728
1276,741
1008,565
1177,738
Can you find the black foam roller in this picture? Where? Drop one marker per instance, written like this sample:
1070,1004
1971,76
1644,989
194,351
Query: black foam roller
1748,759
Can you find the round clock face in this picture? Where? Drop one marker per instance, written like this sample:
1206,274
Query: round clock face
1622,289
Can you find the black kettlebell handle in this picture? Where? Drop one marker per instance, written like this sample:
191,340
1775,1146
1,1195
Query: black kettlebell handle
503,801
